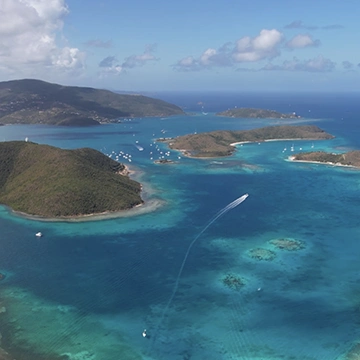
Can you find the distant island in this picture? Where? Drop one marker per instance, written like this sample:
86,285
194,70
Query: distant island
49,182
351,158
256,113
31,101
222,142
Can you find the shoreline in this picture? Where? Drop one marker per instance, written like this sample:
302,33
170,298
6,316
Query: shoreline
148,205
269,140
292,158
186,153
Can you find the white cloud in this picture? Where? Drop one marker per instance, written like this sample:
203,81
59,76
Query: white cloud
264,46
111,65
188,61
302,41
205,58
140,60
317,64
28,32
209,58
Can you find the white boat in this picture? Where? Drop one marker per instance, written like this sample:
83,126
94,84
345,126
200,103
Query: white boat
38,234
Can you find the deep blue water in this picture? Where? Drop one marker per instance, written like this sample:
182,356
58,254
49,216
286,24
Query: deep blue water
87,290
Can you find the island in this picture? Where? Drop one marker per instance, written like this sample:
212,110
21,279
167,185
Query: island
351,158
31,101
222,143
256,113
164,161
49,182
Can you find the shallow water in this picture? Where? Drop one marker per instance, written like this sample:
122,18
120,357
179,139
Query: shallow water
87,290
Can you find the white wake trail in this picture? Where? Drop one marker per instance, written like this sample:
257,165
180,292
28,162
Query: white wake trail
222,212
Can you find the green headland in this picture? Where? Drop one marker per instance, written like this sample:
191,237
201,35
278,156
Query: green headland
222,142
31,101
50,182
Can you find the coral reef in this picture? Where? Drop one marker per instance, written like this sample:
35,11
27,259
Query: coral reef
288,244
262,254
233,282
354,353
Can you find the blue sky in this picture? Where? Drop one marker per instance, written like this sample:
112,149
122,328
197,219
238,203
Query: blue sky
139,45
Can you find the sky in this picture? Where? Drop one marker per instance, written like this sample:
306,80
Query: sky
187,45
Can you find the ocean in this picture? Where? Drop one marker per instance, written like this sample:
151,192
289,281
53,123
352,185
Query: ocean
88,290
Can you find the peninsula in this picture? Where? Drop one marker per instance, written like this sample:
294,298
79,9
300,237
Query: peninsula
256,113
222,142
49,182
31,101
351,158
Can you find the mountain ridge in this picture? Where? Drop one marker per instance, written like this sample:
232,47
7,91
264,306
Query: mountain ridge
31,101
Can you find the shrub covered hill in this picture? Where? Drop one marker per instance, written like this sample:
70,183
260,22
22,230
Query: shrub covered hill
256,113
31,101
218,143
351,158
51,182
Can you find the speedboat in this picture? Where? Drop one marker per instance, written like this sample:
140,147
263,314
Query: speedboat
38,234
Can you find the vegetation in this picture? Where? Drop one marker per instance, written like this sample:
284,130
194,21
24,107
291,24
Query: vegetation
38,102
351,158
218,143
51,182
256,113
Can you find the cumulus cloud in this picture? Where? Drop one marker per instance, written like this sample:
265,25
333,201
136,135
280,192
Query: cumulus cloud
28,31
247,49
111,65
298,24
97,43
263,46
209,58
318,64
302,41
140,60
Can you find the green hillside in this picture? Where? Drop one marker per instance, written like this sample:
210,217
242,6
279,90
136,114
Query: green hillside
51,182
37,102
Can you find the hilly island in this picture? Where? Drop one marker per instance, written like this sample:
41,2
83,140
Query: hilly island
350,158
256,113
32,101
222,142
50,182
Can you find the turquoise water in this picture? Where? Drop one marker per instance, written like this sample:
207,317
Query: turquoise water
87,290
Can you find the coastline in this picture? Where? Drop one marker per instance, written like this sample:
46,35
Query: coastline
268,140
148,205
292,158
186,153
